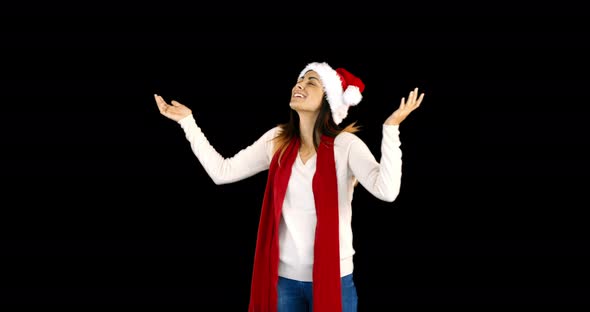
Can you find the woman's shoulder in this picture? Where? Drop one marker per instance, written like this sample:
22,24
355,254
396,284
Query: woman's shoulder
345,139
346,136
271,133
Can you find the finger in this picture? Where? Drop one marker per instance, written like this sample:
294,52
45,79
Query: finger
420,99
414,95
160,101
409,101
402,104
162,105
175,103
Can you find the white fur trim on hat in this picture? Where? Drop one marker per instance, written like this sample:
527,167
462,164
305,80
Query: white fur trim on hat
339,102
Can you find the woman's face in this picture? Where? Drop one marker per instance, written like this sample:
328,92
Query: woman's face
308,93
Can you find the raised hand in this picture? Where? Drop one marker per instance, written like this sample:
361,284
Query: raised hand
176,111
405,108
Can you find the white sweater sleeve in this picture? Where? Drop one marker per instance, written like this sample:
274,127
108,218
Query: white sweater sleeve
246,163
382,179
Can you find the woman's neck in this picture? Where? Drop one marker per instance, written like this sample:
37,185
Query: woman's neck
306,131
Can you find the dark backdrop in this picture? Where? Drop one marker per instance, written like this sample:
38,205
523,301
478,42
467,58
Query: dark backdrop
104,201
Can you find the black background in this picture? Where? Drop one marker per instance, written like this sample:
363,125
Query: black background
104,201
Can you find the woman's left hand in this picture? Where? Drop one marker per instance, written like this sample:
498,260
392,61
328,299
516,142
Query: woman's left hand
405,108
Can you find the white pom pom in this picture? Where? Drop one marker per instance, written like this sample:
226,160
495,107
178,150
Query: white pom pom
352,95
340,113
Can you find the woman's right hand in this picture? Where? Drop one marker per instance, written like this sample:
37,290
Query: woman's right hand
176,111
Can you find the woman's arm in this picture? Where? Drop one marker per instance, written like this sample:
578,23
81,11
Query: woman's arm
244,164
383,178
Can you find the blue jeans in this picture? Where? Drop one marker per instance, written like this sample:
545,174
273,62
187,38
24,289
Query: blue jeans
296,296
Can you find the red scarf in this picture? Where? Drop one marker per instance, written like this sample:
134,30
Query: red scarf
327,295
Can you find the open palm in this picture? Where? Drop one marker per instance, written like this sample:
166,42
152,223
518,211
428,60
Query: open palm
405,108
174,111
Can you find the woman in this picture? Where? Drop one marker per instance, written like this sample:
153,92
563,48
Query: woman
304,253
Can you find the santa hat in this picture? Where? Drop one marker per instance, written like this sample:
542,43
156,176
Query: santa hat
342,88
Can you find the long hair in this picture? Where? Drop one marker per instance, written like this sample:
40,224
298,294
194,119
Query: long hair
324,125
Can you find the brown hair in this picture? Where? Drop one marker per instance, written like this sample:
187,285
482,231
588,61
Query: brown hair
324,125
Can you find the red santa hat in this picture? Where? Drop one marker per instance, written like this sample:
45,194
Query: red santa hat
342,88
